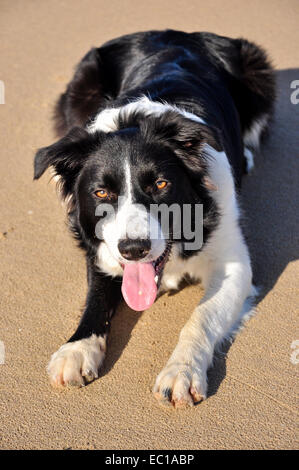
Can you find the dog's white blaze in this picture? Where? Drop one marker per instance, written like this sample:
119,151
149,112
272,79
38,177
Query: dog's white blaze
128,177
106,120
131,221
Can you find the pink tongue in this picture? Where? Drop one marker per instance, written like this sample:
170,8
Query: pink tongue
138,287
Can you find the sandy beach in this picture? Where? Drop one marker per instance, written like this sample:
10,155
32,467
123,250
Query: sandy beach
253,399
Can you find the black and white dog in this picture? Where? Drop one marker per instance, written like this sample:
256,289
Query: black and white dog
159,119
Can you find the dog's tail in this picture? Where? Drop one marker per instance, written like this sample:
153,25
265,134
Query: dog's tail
250,78
255,70
253,89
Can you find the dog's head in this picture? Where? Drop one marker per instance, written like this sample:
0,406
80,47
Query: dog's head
117,185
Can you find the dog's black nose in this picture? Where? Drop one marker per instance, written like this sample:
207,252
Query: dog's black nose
134,250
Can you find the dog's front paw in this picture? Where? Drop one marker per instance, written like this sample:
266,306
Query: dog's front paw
77,362
181,385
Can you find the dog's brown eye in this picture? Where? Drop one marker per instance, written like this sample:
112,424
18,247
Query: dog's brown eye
102,193
161,184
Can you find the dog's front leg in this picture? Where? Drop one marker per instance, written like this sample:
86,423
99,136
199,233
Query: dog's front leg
184,379
78,361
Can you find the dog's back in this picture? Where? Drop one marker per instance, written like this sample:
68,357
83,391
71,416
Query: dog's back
185,69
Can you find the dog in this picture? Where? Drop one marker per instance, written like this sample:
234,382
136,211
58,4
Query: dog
159,119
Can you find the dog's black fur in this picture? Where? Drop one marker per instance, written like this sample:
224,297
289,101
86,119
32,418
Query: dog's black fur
227,82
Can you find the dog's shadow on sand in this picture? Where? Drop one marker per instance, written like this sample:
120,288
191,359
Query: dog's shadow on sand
123,323
270,203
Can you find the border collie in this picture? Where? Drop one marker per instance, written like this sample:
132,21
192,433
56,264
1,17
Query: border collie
159,119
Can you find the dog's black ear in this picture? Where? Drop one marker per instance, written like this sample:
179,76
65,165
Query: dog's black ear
66,156
187,137
66,152
190,142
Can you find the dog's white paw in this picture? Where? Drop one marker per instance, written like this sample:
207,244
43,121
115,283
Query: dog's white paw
77,362
180,384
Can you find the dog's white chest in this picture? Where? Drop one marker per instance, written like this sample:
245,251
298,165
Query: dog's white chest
196,267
